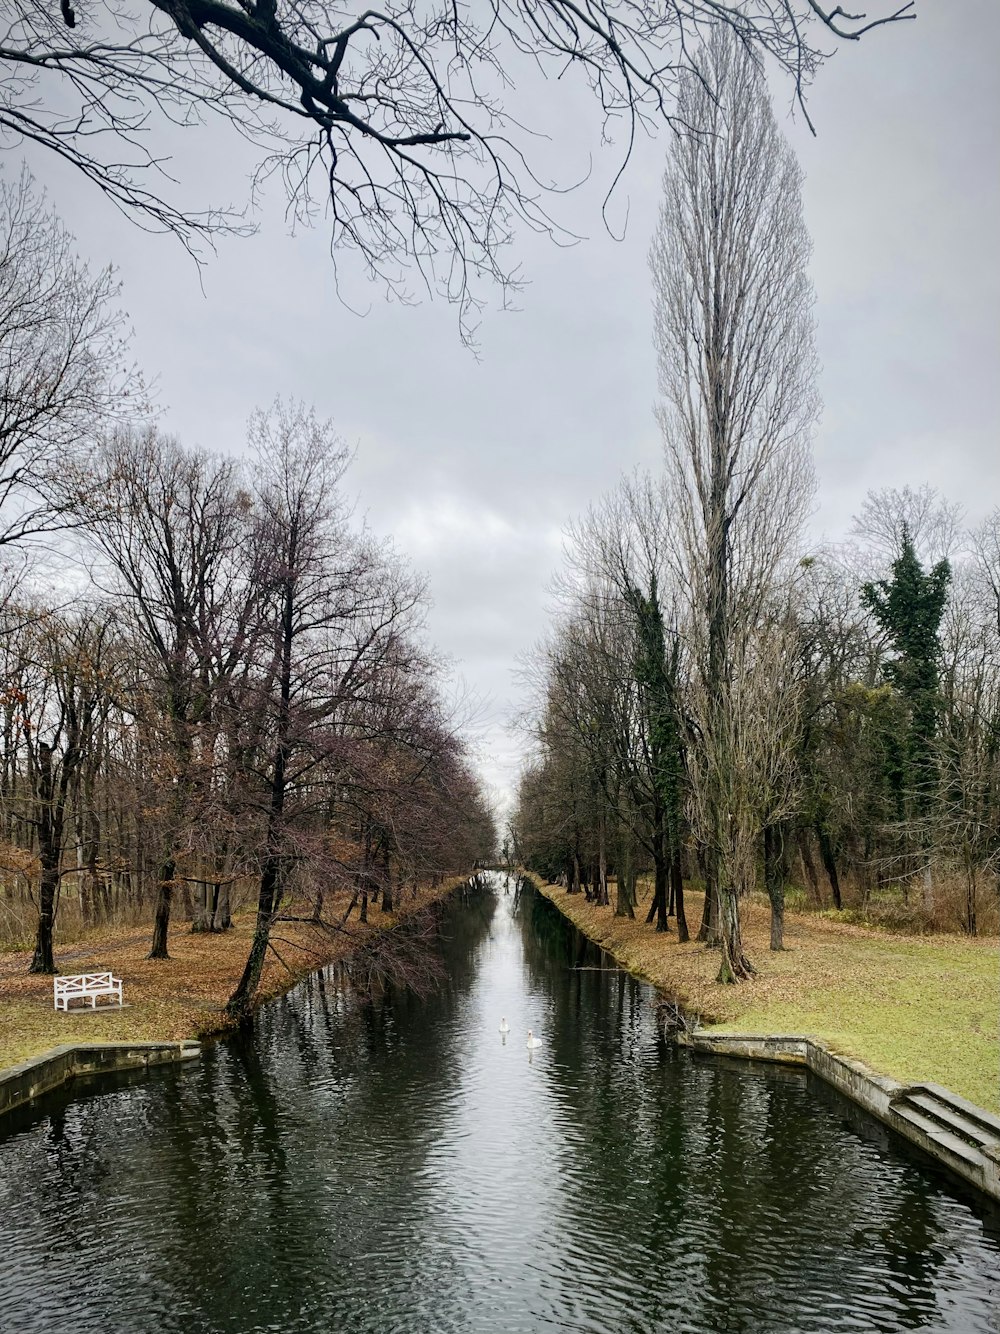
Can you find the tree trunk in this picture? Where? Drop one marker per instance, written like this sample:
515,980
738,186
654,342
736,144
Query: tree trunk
866,873
202,917
83,888
774,882
161,921
829,864
42,961
970,900
625,889
240,1004
661,873
92,878
927,884
50,809
677,893
272,886
708,931
602,869
809,865
735,966
223,915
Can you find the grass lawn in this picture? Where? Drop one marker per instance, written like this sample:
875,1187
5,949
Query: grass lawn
177,998
918,1008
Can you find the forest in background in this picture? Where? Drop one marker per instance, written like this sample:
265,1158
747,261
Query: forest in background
720,701
215,688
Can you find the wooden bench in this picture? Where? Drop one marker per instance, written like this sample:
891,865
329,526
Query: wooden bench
86,985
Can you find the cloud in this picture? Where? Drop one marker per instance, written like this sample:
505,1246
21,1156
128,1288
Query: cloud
475,465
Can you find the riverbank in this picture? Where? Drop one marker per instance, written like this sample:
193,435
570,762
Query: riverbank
918,1009
180,998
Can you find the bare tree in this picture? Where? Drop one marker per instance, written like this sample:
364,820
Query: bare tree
619,547
173,529
403,119
932,523
734,339
963,816
332,605
68,660
64,374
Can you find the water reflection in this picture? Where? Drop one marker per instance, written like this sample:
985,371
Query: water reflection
401,1165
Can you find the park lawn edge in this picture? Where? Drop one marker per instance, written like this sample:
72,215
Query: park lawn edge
180,999
919,1009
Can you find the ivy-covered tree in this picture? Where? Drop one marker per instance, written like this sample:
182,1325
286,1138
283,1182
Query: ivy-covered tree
656,671
909,607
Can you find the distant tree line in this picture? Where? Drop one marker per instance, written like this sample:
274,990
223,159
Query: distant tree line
212,679
717,703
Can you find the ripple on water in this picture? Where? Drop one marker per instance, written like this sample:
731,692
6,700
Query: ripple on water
396,1167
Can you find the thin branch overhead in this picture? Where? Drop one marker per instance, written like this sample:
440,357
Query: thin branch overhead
403,123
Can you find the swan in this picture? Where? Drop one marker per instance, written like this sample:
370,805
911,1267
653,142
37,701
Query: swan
532,1042
504,1026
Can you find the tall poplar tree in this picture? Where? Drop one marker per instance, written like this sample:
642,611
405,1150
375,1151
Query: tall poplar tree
734,336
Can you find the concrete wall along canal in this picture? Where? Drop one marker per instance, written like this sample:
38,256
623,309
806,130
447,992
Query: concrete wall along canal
962,1137
21,1083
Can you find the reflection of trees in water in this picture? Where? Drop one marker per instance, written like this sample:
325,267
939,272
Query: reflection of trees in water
548,939
273,1165
263,1186
337,1086
736,1174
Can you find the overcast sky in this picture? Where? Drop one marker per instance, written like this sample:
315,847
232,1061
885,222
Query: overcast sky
474,466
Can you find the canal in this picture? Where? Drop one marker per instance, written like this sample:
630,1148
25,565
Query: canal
398,1167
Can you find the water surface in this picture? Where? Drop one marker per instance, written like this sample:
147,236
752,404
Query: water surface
396,1168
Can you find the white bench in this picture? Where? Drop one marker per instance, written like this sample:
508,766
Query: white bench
86,985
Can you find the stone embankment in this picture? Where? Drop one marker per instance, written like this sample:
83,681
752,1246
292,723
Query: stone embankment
22,1083
170,1003
836,971
955,1132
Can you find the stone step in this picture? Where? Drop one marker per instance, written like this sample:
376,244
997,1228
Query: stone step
953,1144
957,1122
987,1121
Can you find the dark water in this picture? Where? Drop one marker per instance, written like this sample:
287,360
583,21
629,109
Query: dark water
369,1169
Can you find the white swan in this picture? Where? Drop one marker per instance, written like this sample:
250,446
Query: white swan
504,1026
532,1042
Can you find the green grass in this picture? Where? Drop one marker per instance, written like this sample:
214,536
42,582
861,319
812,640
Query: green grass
923,1010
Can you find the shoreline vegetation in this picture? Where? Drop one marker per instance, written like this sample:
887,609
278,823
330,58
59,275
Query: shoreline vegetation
916,1008
183,997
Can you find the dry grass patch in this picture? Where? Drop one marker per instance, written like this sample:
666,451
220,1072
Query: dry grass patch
176,998
916,1008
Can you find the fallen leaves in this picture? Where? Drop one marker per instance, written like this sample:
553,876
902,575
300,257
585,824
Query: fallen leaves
911,1007
176,998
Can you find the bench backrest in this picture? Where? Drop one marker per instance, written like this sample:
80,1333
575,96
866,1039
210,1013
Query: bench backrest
83,982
